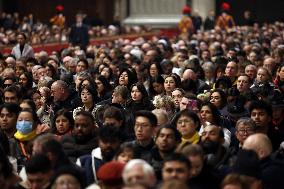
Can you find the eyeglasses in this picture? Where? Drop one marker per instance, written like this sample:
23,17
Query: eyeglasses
142,126
185,121
247,130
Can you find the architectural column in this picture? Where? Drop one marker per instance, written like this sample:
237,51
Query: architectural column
155,13
203,6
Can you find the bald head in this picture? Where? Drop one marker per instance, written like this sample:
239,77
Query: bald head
259,143
269,63
189,74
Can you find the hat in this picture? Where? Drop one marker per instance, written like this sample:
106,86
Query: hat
59,8
225,6
111,173
186,9
247,163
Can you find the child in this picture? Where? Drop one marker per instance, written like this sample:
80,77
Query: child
125,153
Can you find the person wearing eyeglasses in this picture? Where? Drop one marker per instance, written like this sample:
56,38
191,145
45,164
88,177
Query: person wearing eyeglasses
244,128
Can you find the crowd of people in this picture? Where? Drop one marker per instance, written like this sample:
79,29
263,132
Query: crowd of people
56,30
200,111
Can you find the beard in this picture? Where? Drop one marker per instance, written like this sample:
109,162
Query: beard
210,147
82,139
108,154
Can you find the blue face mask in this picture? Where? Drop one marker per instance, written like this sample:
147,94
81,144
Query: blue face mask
24,127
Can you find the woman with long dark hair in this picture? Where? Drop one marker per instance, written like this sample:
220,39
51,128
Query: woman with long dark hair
139,99
104,88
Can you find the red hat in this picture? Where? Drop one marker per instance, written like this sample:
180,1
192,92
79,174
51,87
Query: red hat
186,9
111,172
225,6
59,8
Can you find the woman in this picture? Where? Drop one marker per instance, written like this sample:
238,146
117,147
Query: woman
139,99
104,88
106,71
172,81
218,98
88,95
153,71
210,115
127,78
187,123
262,85
156,86
244,128
27,123
26,83
279,81
51,71
63,123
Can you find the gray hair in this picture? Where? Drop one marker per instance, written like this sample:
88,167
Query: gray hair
146,167
208,66
246,121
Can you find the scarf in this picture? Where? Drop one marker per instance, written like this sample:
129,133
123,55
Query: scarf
21,137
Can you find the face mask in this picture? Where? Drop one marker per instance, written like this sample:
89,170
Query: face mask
24,127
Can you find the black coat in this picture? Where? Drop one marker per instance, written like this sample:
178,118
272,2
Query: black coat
79,35
74,150
272,173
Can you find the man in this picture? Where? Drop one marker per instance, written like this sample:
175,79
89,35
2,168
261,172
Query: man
177,95
243,83
64,67
119,96
200,85
138,171
176,166
62,97
11,62
12,94
188,103
167,139
79,33
271,169
22,49
110,139
39,172
83,139
145,123
269,63
212,139
185,25
199,171
261,114
8,118
231,71
251,70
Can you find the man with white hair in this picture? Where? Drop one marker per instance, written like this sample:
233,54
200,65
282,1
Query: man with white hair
138,171
11,62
